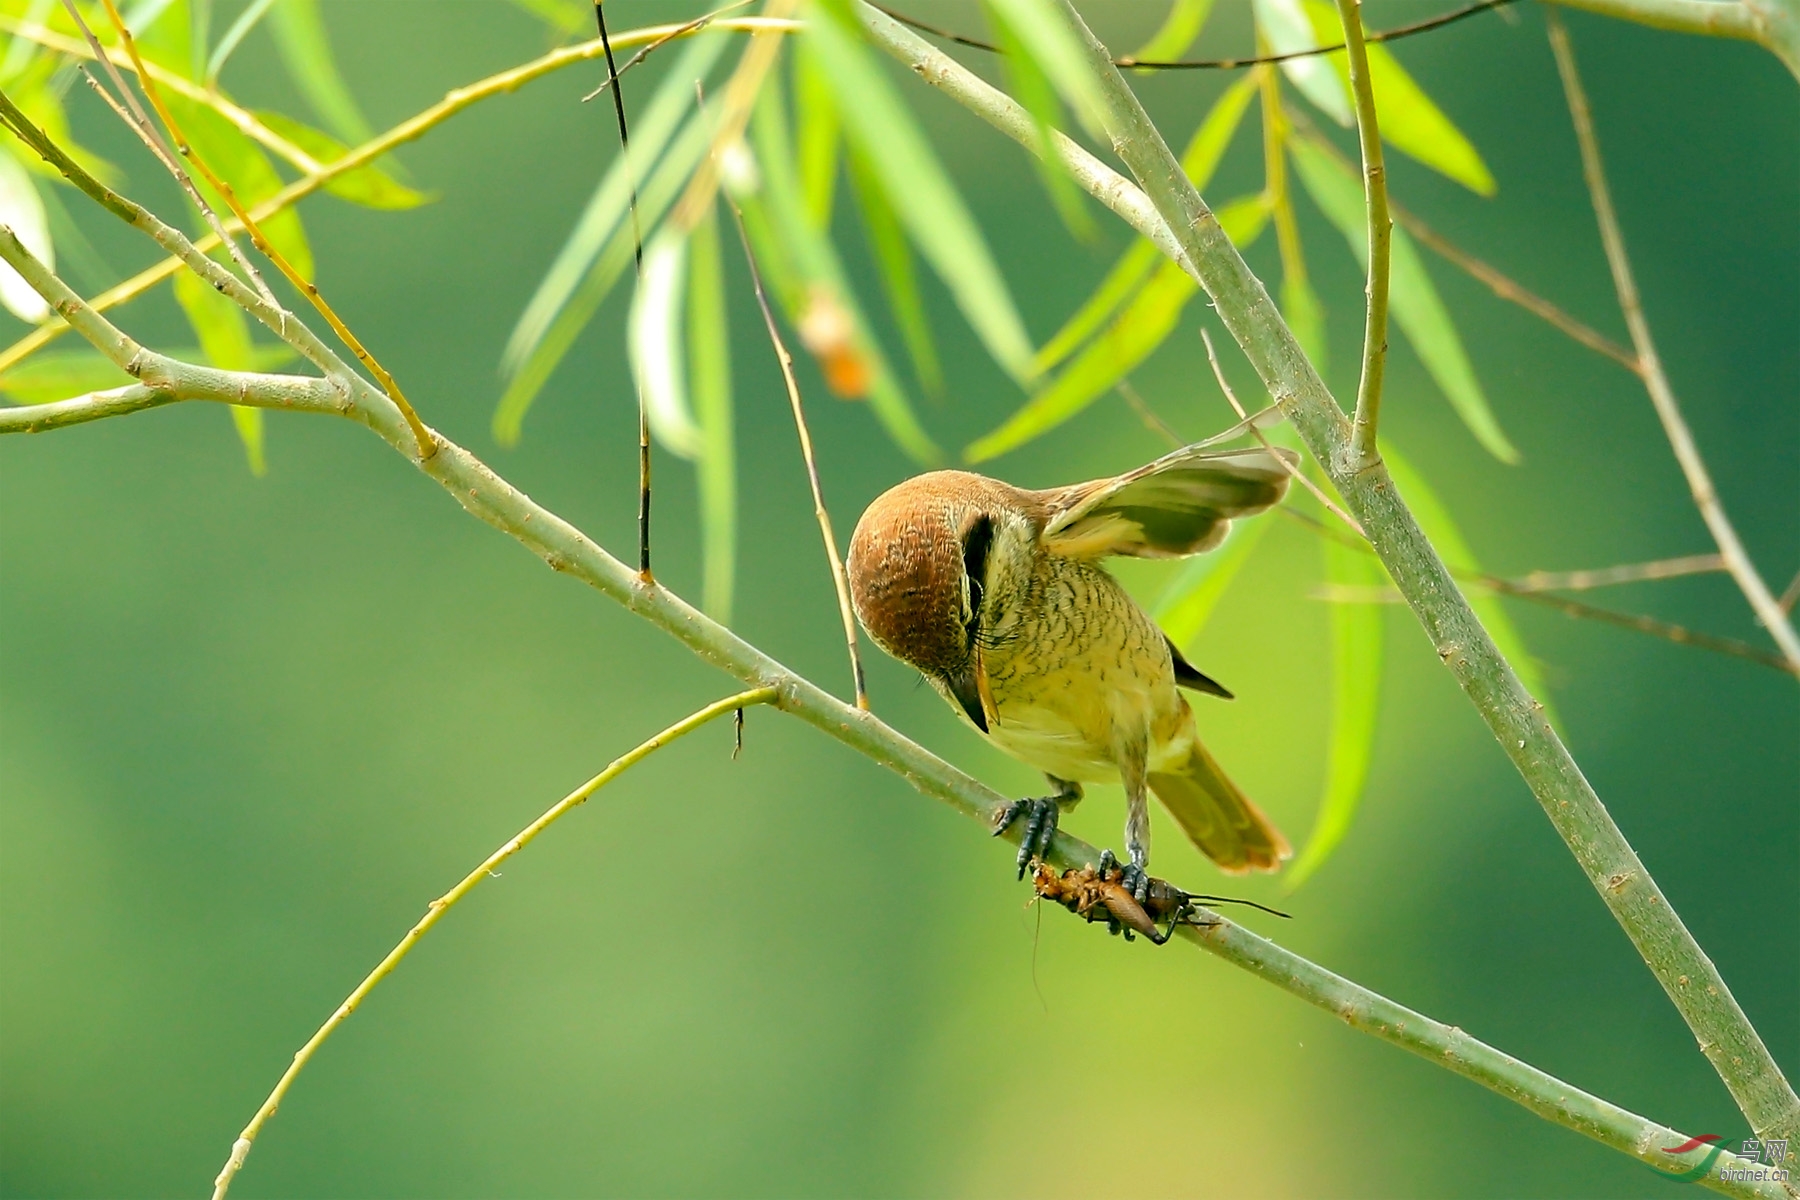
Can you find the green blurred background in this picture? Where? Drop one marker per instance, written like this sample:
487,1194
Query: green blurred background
250,726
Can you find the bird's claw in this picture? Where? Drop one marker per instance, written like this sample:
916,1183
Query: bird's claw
1132,878
1040,813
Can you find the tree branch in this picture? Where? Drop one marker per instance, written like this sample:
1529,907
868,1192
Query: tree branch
564,548
437,909
1662,397
1694,985
1363,451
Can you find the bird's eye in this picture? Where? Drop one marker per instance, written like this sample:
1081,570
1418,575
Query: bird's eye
976,543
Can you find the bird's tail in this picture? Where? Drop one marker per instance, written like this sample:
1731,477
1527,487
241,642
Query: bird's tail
1220,819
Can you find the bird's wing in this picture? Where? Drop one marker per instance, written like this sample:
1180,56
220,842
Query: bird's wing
1180,504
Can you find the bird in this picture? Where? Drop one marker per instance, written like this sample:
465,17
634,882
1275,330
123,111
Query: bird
997,596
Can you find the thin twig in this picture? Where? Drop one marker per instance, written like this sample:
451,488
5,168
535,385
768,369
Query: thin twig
1147,415
1363,451
436,910
637,249
839,579
565,548
426,446
1790,594
1221,64
454,102
1317,491
1596,577
1662,397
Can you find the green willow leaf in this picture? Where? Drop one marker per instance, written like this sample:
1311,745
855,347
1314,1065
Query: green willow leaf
1200,159
1045,36
1435,519
607,209
1244,219
224,335
306,52
369,186
923,197
1410,121
566,18
1283,24
1356,655
1188,602
816,132
234,36
22,211
892,254
1034,90
1412,298
241,163
1133,336
709,375
819,272
1177,32
655,342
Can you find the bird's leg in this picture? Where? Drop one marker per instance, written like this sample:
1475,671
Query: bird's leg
1041,814
1137,821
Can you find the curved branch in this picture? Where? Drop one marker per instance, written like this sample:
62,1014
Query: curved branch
564,548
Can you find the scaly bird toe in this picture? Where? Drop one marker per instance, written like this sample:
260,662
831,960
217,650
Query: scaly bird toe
1040,813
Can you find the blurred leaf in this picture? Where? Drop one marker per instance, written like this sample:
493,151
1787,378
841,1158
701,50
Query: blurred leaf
38,97
1199,160
1244,219
819,275
1413,299
1356,635
529,374
21,52
709,369
1306,317
564,17
241,163
921,193
1435,520
224,334
610,204
1178,31
234,36
23,212
894,257
44,378
1409,120
1034,90
817,132
1283,24
655,343
1046,37
1132,337
306,52
369,186
1188,602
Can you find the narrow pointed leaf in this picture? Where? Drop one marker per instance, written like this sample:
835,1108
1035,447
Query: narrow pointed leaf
1187,604
656,344
1033,89
817,129
1210,141
306,52
888,242
925,200
1133,336
1441,528
1244,219
1410,121
369,186
241,163
224,334
533,370
22,211
1413,298
1356,655
709,373
818,271
1283,24
234,37
1177,32
609,206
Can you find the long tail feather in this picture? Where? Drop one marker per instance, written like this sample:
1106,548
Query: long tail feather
1221,820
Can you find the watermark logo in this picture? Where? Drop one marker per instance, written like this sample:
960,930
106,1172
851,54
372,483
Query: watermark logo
1757,1160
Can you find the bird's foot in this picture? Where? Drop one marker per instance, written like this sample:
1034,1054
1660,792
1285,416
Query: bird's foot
1131,877
1041,814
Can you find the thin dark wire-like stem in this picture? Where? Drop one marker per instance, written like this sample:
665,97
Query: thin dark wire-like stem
437,909
1363,451
839,579
1662,397
1221,64
637,248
